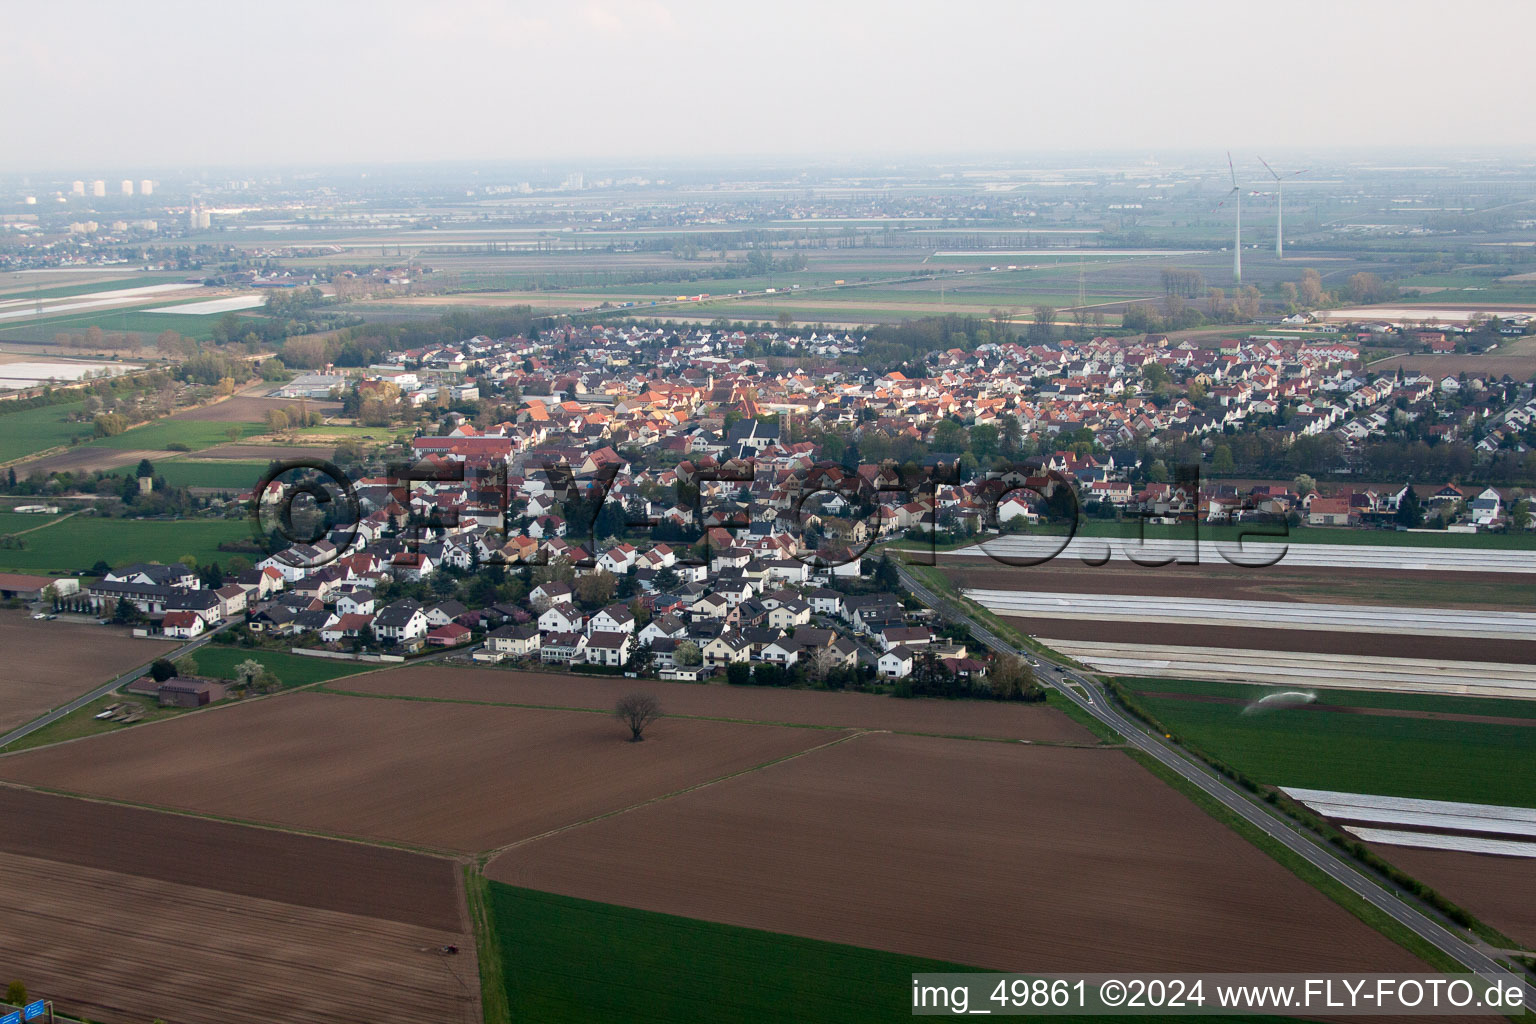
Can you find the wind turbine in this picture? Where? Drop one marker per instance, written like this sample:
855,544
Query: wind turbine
1237,246
1279,204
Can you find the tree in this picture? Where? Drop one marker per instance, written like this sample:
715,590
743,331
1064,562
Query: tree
1520,514
146,468
1409,512
1011,678
688,654
595,588
637,710
738,673
1157,473
126,613
186,665
1221,460
162,670
984,442
248,671
16,993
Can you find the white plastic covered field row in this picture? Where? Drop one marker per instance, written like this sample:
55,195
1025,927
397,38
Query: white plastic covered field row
1255,553
1300,670
1353,618
1430,824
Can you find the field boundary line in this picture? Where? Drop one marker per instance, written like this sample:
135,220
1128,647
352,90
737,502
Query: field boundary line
495,1008
498,851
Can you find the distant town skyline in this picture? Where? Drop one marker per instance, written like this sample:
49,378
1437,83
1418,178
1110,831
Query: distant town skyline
649,80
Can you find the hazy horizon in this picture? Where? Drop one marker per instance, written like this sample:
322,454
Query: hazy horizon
681,82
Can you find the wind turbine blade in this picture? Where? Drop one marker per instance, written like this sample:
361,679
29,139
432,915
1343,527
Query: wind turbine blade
1232,168
1268,168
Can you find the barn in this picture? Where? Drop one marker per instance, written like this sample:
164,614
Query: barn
30,588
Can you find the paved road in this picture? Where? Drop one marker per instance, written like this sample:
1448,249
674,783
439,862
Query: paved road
106,688
1088,695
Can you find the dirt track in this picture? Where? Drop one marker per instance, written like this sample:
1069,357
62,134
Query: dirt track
441,776
1499,890
50,663
754,703
989,854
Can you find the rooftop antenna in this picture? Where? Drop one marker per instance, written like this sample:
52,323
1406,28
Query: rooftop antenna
1279,204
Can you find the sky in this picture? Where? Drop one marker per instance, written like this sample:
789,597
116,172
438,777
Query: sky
151,84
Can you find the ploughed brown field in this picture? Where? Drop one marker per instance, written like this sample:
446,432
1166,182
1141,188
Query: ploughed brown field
251,409
50,663
1258,638
996,855
751,703
457,777
1498,890
122,914
85,459
268,451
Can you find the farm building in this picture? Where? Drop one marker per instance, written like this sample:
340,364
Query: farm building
31,588
189,692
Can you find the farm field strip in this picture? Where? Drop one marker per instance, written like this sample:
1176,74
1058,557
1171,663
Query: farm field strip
1398,810
1414,745
1499,890
25,308
768,705
50,663
1440,841
1287,668
1261,614
89,934
461,778
998,855
1256,553
225,305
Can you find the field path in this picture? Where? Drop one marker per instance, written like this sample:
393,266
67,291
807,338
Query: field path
44,526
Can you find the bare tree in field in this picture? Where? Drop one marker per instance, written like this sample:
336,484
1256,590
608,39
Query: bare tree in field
637,710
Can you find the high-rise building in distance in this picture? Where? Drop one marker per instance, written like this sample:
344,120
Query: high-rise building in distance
127,186
146,187
98,188
77,189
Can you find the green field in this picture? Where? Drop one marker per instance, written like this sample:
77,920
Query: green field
230,474
214,659
16,522
65,290
33,430
195,434
570,961
75,546
1432,759
146,325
